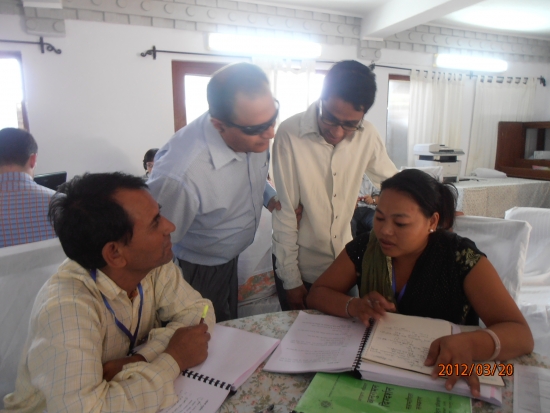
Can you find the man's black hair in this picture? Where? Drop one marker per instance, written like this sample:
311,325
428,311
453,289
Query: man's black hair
246,78
16,146
352,82
85,216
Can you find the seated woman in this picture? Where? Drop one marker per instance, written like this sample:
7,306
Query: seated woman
412,264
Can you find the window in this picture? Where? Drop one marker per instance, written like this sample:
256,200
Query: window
398,119
189,79
12,104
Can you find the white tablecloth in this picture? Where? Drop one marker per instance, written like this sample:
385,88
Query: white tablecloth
492,197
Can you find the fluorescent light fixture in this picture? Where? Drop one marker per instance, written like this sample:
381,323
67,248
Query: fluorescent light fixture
473,63
263,46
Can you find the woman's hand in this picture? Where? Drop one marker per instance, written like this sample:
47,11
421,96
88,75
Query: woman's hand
372,305
454,350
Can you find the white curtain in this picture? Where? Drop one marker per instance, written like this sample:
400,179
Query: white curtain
495,102
435,111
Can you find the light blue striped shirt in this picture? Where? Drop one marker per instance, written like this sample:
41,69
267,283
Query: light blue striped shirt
212,194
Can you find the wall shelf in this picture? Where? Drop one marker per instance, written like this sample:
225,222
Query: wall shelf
510,156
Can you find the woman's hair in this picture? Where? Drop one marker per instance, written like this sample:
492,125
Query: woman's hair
149,156
430,195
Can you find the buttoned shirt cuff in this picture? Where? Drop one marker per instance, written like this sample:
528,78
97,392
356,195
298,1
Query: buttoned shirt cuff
269,192
290,276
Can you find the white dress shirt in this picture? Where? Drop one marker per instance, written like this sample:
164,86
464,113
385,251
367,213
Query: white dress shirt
72,333
325,179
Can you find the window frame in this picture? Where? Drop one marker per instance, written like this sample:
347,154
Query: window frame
179,70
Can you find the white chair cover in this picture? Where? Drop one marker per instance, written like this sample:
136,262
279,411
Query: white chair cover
255,273
534,297
504,242
23,270
537,264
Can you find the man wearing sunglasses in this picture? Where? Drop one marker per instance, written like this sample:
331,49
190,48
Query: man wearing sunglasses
319,158
210,179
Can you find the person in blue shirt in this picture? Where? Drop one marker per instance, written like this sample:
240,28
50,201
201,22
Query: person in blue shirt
211,180
23,203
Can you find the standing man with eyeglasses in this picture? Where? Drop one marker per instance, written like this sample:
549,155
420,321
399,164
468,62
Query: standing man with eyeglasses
319,158
211,180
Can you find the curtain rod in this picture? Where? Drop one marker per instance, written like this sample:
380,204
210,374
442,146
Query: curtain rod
49,47
153,52
542,80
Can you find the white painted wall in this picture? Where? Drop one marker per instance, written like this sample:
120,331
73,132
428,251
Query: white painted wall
99,105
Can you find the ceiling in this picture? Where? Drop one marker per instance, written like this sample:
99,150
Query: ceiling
383,18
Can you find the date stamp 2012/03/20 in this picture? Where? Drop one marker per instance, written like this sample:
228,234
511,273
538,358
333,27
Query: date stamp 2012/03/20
480,369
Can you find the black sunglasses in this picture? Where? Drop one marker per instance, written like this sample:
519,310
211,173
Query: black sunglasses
330,120
256,129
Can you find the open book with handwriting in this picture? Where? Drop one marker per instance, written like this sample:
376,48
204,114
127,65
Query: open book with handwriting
233,355
392,350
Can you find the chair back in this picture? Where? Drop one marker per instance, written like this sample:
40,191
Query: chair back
537,264
503,241
23,271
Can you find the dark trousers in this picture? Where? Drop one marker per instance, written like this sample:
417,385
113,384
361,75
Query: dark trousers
218,283
362,221
281,292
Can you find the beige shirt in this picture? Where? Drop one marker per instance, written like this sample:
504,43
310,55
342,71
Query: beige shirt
72,334
325,179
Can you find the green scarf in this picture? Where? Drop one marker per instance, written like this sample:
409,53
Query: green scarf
376,271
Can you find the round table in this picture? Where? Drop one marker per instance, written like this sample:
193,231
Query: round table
284,390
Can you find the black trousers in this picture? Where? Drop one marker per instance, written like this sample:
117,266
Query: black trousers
218,283
362,221
281,292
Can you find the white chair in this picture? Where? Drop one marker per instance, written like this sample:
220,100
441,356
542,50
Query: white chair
23,271
257,292
537,264
503,241
534,297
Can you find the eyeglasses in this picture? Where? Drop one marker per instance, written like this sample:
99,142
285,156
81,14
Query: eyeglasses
149,164
256,129
330,120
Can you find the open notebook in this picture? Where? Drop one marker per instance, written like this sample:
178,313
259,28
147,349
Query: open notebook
332,344
233,355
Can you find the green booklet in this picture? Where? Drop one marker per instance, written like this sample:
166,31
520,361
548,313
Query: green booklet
344,393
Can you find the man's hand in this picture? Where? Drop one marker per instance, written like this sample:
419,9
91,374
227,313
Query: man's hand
273,204
189,346
113,367
296,298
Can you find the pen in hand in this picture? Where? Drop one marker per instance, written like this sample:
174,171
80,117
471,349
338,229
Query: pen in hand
204,312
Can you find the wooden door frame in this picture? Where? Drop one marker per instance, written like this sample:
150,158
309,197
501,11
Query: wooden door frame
179,70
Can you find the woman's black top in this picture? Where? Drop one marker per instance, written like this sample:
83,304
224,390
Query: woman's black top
436,286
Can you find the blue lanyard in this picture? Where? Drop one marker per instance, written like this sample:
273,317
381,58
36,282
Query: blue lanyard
122,327
394,286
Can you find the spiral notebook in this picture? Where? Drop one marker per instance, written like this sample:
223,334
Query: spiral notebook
322,343
319,343
233,355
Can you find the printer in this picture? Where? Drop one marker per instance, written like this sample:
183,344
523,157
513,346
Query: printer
434,154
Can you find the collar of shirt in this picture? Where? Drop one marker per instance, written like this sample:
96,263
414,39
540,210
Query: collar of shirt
16,176
110,289
219,151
